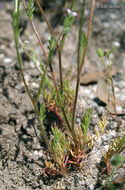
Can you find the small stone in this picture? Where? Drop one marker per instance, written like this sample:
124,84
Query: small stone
83,183
27,78
7,60
118,109
116,44
78,120
34,85
106,25
32,64
91,187
1,56
36,152
40,153
106,147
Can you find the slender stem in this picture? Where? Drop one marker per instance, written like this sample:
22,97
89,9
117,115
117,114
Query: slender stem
58,48
72,4
88,34
60,67
42,12
42,74
78,63
82,63
29,94
36,33
39,40
16,37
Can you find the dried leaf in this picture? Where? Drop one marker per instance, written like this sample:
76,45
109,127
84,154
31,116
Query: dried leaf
103,94
95,76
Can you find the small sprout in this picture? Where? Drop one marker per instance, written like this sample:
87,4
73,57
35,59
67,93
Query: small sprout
102,126
115,148
100,52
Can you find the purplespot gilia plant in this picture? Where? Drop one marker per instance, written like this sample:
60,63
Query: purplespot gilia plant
69,144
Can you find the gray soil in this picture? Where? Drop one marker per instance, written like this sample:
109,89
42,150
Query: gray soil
22,148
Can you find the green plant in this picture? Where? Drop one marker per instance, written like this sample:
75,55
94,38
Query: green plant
108,73
70,143
115,148
114,159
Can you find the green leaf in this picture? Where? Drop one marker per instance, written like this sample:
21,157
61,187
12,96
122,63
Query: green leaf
67,25
52,44
85,120
42,113
117,159
16,16
82,44
107,53
30,9
99,52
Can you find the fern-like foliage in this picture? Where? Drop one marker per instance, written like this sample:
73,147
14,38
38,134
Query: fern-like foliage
101,126
115,148
85,120
52,102
58,147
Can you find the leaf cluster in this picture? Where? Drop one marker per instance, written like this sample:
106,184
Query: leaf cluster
115,148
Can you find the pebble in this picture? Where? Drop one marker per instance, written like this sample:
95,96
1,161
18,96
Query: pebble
83,183
116,44
27,78
118,109
106,147
106,25
40,153
7,60
34,85
36,152
91,187
32,64
100,110
78,120
1,56
114,125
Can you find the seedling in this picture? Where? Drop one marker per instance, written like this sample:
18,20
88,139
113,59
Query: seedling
108,68
114,159
115,148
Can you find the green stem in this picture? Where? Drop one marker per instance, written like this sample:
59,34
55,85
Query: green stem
72,4
51,70
78,63
16,36
42,74
88,35
82,63
29,94
58,49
